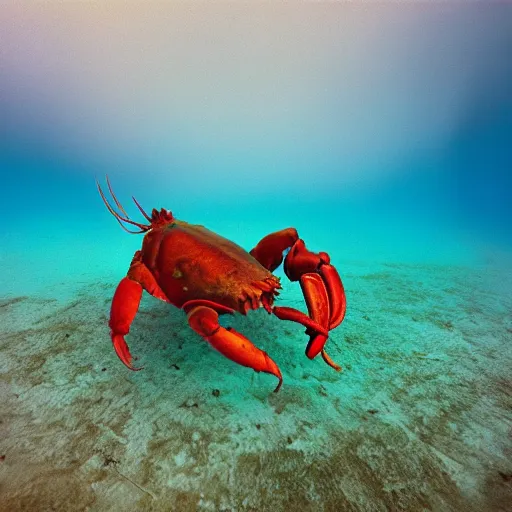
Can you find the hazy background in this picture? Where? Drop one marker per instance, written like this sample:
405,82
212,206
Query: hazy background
382,131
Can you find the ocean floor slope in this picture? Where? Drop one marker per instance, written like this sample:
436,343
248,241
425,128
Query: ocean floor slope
419,418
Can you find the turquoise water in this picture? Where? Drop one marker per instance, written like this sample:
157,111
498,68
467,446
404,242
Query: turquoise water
381,134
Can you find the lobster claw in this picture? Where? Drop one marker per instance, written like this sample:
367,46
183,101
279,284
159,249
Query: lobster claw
123,352
323,291
124,308
336,293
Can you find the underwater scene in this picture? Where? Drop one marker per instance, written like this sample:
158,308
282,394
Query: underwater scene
316,279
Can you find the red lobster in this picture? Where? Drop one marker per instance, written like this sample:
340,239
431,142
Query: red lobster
207,275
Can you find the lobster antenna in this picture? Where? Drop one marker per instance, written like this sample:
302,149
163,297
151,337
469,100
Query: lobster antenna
120,218
129,231
119,205
141,209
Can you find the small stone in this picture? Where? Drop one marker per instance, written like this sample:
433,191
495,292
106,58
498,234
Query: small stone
507,477
189,403
2,458
109,461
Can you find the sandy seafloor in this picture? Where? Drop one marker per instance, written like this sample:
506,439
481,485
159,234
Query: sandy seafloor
419,419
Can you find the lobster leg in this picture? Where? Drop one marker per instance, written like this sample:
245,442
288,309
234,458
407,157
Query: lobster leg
319,280
235,346
125,305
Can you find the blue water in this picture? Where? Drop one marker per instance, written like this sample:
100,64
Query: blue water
394,156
